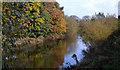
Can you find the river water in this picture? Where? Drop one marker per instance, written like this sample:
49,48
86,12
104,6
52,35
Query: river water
55,54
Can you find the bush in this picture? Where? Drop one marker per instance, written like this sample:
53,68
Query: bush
72,26
99,29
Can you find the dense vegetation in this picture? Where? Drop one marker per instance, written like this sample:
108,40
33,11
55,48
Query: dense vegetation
36,20
104,32
105,55
72,26
98,27
31,19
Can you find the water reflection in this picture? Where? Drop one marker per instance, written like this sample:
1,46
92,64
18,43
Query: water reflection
57,54
74,47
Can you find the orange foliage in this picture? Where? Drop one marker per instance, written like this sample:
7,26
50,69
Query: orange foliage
58,23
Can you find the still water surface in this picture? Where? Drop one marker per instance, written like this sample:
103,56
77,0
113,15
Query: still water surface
57,54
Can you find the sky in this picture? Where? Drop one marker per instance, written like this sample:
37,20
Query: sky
82,8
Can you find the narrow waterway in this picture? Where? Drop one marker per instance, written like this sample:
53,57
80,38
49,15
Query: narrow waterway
56,54
75,47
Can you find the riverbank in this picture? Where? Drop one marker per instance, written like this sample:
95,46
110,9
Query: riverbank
106,55
58,51
30,42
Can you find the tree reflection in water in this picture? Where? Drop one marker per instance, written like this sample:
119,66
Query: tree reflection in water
53,54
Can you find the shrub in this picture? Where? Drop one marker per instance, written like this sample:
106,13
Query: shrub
72,26
99,29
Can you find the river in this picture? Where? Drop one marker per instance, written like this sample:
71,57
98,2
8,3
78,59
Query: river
55,54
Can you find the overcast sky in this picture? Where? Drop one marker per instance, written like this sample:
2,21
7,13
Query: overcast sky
89,7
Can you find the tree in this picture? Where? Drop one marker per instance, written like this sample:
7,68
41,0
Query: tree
86,18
